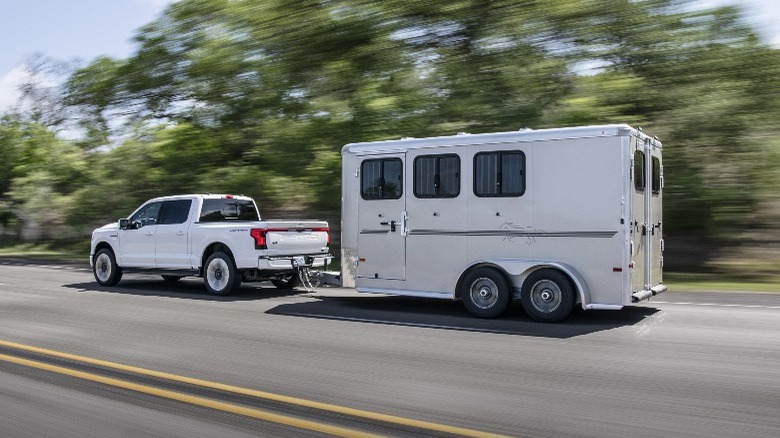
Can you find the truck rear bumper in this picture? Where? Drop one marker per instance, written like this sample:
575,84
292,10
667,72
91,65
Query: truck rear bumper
288,263
647,293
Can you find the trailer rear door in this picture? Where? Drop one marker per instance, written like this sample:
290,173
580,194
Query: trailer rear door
646,216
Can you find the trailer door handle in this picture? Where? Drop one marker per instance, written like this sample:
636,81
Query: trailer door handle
391,223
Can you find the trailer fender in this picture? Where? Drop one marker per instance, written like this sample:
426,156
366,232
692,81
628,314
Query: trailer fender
518,270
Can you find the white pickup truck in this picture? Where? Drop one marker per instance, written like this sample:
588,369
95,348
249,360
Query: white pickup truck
218,237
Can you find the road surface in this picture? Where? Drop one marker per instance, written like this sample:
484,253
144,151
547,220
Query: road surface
149,358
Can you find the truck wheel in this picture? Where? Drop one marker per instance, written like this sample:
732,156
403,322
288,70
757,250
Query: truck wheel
485,293
172,278
547,296
287,281
220,275
107,272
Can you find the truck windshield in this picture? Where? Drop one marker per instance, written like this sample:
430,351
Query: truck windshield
228,209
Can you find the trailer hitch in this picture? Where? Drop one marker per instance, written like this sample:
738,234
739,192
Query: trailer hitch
310,278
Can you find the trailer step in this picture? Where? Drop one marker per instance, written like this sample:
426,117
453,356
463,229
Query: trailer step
647,293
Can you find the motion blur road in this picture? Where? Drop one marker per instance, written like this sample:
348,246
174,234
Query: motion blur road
683,365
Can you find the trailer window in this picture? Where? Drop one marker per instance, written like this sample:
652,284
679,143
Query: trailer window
437,176
639,171
499,174
656,175
381,179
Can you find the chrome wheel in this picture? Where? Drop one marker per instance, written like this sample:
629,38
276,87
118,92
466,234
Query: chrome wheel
103,267
546,296
484,293
218,274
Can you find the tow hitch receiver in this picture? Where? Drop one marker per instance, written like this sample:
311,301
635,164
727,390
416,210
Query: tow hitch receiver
310,278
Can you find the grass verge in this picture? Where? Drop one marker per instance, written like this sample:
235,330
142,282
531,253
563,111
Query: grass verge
43,252
690,282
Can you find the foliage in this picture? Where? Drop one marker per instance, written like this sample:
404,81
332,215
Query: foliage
259,97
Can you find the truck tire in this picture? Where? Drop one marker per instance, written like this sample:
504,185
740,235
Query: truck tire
547,295
171,278
105,269
286,282
220,274
485,293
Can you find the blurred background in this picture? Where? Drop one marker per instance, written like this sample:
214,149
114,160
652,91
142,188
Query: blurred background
258,97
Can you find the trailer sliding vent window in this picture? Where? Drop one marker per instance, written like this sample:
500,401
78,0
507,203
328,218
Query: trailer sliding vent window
656,175
437,176
639,171
499,174
381,179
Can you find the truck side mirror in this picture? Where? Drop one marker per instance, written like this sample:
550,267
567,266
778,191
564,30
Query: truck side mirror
123,224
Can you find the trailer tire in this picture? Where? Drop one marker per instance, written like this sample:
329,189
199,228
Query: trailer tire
105,269
485,293
220,274
547,295
286,282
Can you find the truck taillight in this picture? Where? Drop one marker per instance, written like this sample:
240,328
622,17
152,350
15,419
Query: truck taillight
259,235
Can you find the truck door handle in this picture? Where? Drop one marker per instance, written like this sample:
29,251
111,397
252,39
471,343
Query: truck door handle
180,233
148,233
391,223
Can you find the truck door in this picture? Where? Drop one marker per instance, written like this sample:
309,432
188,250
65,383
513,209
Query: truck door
136,243
172,235
646,210
382,218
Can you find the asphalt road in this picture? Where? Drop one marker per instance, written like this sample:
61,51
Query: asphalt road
682,365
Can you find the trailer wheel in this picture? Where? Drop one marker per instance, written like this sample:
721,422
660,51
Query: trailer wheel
485,293
220,274
105,269
287,281
547,296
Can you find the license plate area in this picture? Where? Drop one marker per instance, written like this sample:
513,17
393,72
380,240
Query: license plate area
302,262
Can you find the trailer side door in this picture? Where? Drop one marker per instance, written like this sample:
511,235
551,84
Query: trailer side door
382,218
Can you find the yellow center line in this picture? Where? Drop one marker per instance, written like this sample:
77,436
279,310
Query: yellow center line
194,400
262,394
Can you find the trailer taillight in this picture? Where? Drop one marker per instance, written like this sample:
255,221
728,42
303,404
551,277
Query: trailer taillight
259,235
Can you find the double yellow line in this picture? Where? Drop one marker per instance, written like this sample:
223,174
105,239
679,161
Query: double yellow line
228,407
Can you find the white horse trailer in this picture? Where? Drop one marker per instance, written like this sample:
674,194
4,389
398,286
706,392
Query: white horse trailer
552,217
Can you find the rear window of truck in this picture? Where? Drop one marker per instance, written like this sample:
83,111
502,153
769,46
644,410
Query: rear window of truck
228,209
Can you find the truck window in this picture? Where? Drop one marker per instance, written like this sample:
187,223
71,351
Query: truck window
146,216
499,174
228,209
639,171
437,176
175,212
381,179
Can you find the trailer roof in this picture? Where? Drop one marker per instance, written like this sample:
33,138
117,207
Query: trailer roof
496,138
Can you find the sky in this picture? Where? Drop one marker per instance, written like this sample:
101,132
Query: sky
85,29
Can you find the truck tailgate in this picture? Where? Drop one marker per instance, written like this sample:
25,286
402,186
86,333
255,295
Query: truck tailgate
288,238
